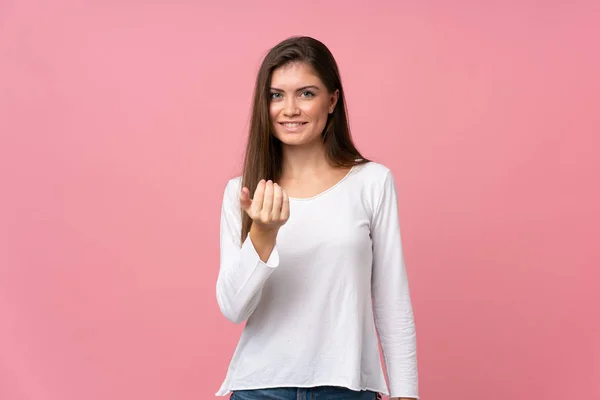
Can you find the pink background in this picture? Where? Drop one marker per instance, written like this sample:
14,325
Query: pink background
121,121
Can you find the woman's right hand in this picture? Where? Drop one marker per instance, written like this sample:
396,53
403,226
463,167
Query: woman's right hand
269,208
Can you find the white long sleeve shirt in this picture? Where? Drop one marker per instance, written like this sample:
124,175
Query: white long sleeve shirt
335,279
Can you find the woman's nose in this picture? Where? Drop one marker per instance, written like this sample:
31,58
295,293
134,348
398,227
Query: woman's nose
290,108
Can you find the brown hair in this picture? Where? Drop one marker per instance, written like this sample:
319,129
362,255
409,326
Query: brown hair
263,159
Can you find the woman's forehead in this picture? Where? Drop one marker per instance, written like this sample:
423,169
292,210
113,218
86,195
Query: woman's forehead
294,75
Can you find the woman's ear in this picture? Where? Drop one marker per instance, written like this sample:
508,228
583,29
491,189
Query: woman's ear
333,101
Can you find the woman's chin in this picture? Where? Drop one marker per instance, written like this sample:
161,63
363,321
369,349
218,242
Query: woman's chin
299,140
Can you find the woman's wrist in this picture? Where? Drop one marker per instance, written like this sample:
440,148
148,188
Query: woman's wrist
263,241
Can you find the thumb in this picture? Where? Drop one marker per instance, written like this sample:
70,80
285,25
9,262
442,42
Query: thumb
245,201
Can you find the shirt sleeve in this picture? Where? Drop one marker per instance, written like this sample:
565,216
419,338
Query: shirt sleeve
242,274
392,305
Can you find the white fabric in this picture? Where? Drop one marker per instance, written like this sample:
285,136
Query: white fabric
335,278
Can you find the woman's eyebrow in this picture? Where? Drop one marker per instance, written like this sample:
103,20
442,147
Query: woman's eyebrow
297,90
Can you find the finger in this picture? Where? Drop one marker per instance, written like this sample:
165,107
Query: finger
268,199
277,201
285,206
257,200
245,201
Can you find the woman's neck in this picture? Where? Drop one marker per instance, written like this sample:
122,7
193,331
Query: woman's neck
304,161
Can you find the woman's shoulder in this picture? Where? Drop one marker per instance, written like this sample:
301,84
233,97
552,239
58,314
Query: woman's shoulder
372,170
374,179
235,181
233,186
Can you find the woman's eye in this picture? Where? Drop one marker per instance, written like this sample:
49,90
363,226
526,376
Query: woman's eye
275,96
308,94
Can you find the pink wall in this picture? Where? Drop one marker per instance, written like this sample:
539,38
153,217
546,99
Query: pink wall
120,123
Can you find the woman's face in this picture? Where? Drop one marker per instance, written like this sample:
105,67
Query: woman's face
299,104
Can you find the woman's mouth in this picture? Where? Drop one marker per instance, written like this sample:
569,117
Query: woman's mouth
293,126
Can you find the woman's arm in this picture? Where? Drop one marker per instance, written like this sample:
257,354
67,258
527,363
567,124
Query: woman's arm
392,305
244,268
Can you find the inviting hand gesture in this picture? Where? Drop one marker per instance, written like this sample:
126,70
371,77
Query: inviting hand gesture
269,208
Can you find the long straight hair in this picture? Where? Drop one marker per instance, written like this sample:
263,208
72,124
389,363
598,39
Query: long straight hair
264,156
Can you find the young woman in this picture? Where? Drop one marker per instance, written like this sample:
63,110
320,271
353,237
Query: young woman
311,254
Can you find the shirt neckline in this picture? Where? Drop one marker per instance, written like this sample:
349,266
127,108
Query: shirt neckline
326,190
